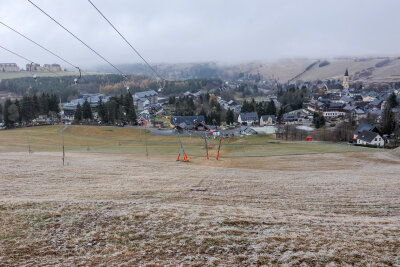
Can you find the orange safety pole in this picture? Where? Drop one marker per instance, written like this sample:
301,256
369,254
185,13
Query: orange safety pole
219,147
178,157
205,140
185,158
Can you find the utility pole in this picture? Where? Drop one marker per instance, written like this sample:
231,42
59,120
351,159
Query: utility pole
206,145
63,149
145,141
29,145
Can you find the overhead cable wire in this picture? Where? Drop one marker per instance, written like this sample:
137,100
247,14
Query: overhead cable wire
41,46
24,58
120,34
76,37
18,55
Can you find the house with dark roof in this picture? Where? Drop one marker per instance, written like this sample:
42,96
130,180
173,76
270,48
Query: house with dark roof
377,103
188,122
175,120
144,119
202,126
364,127
370,138
192,95
142,99
246,130
267,120
334,110
346,99
360,114
155,109
249,118
290,118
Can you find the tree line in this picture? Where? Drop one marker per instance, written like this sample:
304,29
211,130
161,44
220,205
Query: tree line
262,108
206,105
292,98
117,110
29,108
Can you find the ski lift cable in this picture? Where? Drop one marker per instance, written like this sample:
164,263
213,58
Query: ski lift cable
133,48
18,55
41,46
76,37
24,58
44,48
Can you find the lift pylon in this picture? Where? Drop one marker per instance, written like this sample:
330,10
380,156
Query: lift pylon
182,150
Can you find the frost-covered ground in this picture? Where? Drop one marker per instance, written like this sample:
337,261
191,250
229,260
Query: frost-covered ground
105,209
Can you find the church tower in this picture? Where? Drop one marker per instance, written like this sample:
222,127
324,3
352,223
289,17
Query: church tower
346,80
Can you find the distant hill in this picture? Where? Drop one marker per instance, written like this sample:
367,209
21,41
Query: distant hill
374,69
366,70
379,69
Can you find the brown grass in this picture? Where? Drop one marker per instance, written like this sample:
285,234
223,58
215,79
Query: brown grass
114,209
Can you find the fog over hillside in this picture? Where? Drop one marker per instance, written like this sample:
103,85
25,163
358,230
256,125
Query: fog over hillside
178,31
373,69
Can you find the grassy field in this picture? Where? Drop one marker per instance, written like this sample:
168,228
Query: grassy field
329,209
265,202
135,141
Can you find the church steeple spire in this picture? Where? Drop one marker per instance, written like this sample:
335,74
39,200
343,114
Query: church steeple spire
346,80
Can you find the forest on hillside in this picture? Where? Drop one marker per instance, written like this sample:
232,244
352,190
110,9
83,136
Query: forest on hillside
109,84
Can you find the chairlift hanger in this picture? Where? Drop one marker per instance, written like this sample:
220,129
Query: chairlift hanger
125,82
34,76
76,80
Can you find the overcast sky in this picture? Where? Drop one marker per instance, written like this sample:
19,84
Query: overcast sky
202,30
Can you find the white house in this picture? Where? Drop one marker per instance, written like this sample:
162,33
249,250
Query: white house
333,114
248,118
370,138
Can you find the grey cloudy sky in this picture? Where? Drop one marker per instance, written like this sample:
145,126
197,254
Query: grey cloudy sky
203,30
